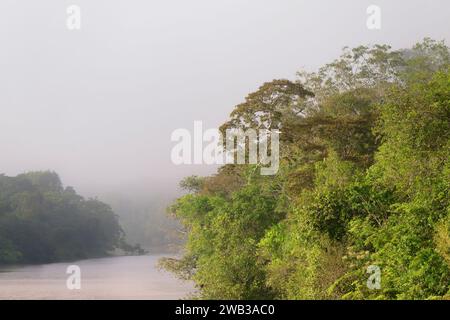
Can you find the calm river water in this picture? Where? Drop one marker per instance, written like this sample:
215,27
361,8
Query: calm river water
106,278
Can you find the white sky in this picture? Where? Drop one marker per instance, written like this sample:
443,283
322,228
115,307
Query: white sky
98,105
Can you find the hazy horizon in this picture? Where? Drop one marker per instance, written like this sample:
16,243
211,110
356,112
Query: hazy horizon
98,105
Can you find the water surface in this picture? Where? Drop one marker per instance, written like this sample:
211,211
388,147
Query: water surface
105,278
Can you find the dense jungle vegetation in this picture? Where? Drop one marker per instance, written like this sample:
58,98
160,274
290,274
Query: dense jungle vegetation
41,221
363,181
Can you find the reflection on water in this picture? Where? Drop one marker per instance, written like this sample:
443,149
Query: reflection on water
106,278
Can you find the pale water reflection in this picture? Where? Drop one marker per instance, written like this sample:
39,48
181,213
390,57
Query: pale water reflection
105,278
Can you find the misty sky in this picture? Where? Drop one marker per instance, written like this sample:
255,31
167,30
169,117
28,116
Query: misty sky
98,105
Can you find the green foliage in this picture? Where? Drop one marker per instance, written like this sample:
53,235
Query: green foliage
191,184
222,239
364,181
40,221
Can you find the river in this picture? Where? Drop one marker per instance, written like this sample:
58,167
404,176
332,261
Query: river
105,278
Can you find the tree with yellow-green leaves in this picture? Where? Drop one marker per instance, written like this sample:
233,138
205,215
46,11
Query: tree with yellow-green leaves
364,182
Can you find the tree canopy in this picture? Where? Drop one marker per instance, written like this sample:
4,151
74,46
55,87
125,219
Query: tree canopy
41,221
364,181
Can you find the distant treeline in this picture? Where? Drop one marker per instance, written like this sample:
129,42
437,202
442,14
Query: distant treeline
144,220
360,208
41,221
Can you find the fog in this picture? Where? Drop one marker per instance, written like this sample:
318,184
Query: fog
98,105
